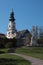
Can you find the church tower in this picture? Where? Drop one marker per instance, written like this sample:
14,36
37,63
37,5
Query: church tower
11,31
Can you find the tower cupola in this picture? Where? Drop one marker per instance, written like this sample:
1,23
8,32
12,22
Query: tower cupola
12,16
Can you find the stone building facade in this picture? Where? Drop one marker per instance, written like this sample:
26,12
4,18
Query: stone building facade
23,37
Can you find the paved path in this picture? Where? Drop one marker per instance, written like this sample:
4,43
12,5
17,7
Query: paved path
34,61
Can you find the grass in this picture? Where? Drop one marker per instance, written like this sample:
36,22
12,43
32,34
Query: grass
4,50
8,59
36,52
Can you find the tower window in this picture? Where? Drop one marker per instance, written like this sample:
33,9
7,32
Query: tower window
9,25
9,33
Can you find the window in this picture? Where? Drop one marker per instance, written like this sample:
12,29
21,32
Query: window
9,33
9,25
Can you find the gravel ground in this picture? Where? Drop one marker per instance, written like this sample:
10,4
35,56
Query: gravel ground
34,61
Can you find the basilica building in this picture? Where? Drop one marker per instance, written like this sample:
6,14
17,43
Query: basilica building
23,37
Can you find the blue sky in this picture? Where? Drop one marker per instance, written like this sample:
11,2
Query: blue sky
27,13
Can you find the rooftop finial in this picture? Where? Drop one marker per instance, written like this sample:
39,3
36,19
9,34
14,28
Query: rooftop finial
12,9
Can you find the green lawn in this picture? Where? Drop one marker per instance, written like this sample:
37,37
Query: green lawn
4,50
8,59
36,52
